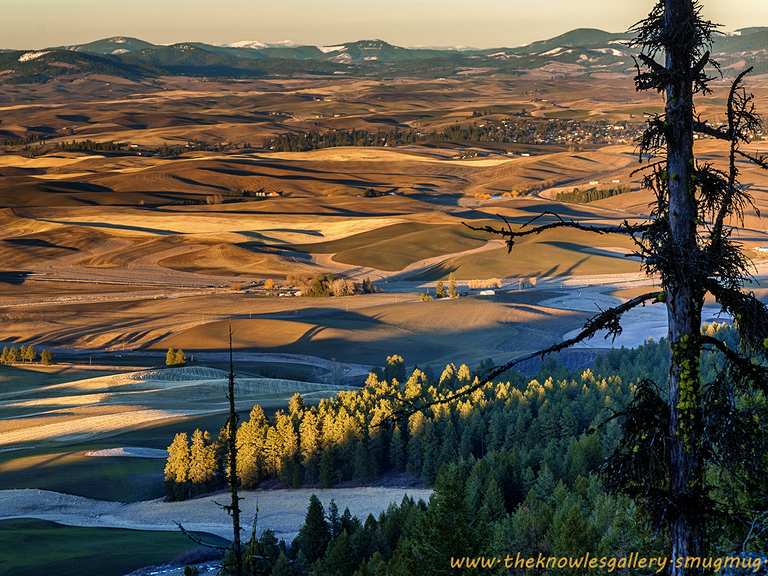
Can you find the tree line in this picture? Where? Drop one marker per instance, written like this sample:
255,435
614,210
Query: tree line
350,437
328,285
27,354
469,514
512,130
593,194
317,139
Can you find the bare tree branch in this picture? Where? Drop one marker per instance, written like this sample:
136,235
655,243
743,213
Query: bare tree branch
511,235
735,116
717,132
761,160
698,68
606,320
757,527
757,373
653,65
198,541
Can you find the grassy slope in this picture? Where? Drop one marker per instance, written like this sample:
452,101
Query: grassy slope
550,254
34,547
394,247
71,472
66,468
16,378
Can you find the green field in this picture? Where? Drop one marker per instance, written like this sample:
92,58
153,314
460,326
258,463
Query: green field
38,548
16,378
71,472
66,469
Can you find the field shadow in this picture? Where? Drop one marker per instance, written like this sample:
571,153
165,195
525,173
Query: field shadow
591,250
15,278
193,182
37,243
437,198
82,118
110,226
75,187
325,317
351,182
555,208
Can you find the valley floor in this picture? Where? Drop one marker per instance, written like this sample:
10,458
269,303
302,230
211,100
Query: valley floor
281,511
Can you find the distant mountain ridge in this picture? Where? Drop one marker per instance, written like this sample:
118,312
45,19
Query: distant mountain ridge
580,51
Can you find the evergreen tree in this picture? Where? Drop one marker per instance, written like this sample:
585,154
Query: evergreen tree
376,566
493,508
327,468
440,291
571,533
296,406
315,534
13,355
288,448
251,436
430,447
28,353
261,554
309,443
395,368
177,465
361,462
46,357
334,520
202,459
339,559
444,531
453,290
397,451
283,567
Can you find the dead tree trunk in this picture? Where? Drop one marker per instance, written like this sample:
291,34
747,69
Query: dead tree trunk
684,297
234,508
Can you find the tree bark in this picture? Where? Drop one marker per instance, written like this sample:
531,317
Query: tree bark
233,478
684,297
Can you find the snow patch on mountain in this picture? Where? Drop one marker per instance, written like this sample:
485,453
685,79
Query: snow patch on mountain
329,49
556,52
254,44
611,51
29,56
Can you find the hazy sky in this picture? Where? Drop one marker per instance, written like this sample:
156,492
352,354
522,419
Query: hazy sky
481,23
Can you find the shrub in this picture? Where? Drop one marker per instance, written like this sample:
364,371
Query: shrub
485,284
175,357
578,196
440,290
46,357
